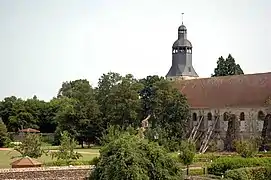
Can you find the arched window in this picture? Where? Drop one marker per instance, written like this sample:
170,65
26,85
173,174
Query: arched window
209,116
242,116
225,116
195,118
260,115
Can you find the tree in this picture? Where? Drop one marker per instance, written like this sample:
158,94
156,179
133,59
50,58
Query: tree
7,110
79,111
31,113
227,67
66,150
3,133
31,146
118,99
169,112
187,153
130,157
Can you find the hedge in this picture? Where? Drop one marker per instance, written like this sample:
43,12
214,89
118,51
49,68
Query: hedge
252,173
94,161
221,165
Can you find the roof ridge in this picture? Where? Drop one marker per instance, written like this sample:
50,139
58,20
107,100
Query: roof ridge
226,77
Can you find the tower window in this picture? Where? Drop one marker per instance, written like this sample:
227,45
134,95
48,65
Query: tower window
189,69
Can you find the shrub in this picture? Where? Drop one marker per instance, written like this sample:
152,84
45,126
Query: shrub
252,173
187,153
30,146
131,157
67,163
94,161
245,148
3,133
47,140
66,149
221,165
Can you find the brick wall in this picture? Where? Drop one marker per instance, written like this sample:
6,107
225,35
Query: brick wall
46,173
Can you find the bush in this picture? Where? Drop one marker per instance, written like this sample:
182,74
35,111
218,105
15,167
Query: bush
30,146
3,133
95,161
47,140
66,149
187,153
221,165
252,173
246,148
130,157
67,163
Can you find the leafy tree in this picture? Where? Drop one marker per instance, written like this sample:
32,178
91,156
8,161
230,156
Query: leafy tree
48,112
3,133
31,146
187,153
169,112
7,110
66,150
130,157
31,113
227,67
79,111
118,99
114,132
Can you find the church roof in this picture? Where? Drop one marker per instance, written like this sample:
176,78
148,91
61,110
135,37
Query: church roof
182,42
251,90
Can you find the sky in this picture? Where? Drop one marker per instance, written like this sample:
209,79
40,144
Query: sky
44,43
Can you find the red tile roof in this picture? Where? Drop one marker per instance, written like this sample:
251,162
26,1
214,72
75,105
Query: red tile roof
26,161
228,91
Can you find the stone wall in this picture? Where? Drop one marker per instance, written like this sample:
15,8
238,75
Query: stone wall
47,173
248,121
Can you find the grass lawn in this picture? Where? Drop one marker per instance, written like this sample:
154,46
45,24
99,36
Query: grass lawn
5,156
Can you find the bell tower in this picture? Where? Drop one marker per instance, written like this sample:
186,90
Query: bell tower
182,67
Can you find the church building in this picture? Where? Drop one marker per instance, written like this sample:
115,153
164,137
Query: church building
213,100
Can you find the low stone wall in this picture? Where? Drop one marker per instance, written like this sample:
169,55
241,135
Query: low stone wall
47,173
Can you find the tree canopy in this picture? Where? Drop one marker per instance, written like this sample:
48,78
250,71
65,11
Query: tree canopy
227,67
86,112
3,133
130,157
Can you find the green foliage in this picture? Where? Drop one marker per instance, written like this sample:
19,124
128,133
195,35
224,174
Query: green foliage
246,148
119,100
114,132
79,111
187,153
130,157
94,161
221,165
169,110
3,134
233,132
227,67
66,150
252,173
31,113
30,146
86,112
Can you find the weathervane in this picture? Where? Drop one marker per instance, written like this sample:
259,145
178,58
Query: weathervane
182,18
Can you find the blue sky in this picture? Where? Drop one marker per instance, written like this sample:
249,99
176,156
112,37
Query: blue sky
43,43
